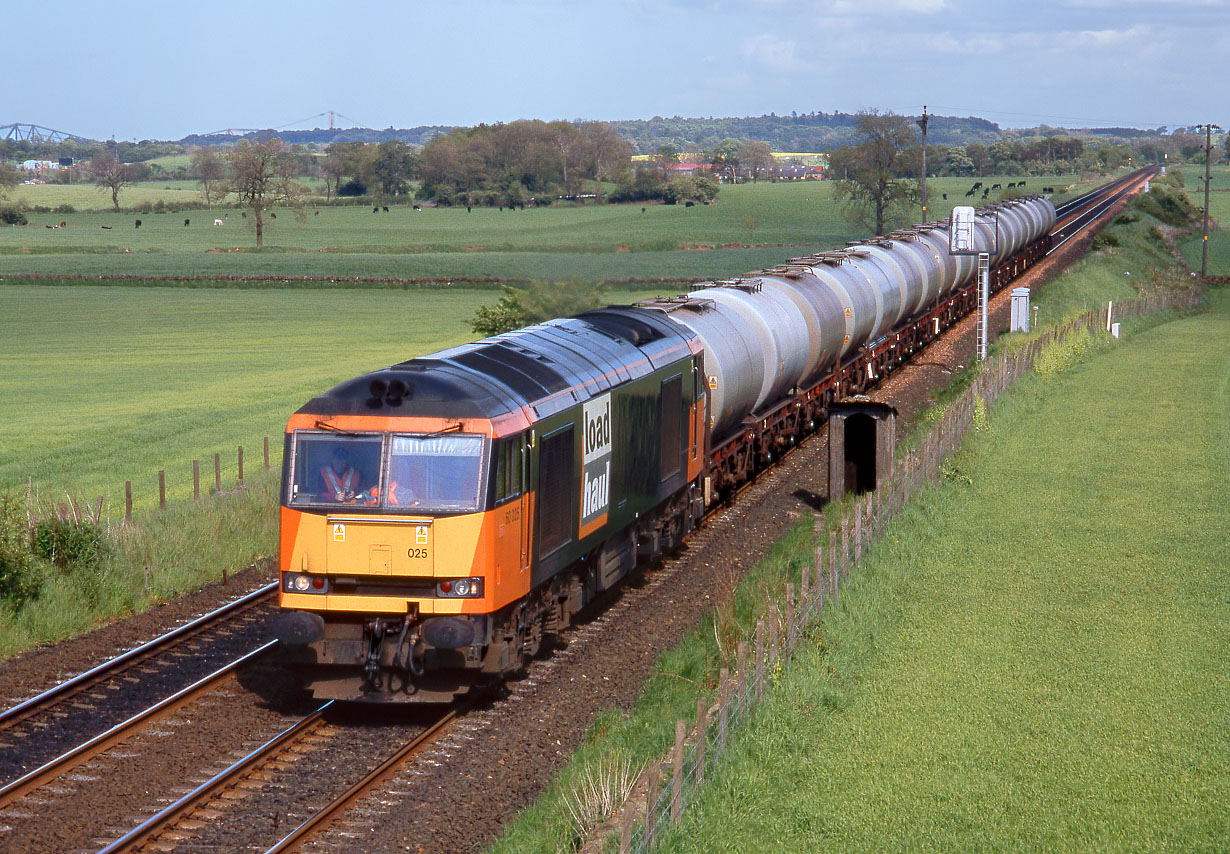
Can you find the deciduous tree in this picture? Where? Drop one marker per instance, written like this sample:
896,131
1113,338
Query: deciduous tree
262,178
110,174
210,171
756,157
870,174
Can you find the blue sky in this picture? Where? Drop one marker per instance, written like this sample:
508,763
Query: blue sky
137,70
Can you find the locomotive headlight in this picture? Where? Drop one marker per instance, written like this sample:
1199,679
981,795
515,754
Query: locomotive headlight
468,588
294,582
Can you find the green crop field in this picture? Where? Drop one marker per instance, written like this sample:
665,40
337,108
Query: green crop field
1219,210
751,226
108,384
1034,657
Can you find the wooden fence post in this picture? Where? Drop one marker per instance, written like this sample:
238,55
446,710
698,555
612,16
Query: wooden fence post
196,480
741,663
241,465
820,584
266,453
128,502
651,805
681,730
217,473
702,735
758,665
162,490
723,712
789,615
858,530
775,619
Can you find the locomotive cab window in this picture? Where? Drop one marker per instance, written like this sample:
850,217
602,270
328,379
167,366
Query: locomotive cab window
435,473
332,469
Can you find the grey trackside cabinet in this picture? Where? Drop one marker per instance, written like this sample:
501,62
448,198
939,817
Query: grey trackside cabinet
1020,310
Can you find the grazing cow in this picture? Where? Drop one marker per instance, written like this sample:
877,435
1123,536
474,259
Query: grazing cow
995,186
315,213
1012,186
977,185
689,204
970,193
138,223
1022,184
272,214
63,224
186,223
243,214
375,209
418,208
217,222
945,197
642,210
984,193
106,227
385,208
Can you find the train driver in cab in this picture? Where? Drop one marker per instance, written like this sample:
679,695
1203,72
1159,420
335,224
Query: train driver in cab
339,479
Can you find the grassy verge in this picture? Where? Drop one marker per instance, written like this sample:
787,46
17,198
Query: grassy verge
163,555
775,792
1033,657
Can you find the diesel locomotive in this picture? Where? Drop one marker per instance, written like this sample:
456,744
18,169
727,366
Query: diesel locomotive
442,516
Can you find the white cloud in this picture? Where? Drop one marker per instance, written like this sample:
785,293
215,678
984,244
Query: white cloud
774,53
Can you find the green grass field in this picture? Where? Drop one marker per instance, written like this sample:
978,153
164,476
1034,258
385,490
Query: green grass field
750,227
1034,657
1219,210
113,383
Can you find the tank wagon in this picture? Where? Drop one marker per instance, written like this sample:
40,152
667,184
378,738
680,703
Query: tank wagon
442,516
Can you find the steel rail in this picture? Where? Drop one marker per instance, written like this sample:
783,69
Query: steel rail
329,814
16,714
1084,218
69,760
155,824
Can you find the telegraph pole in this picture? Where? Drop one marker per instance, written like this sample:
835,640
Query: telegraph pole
1208,160
922,123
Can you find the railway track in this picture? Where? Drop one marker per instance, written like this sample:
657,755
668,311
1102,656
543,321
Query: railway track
81,709
1075,216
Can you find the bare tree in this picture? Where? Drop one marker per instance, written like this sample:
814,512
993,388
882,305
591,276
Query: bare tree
110,174
870,174
261,177
210,171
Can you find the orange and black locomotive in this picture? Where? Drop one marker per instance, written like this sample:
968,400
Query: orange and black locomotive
441,516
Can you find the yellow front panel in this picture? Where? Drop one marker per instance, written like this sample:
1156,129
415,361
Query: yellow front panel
377,545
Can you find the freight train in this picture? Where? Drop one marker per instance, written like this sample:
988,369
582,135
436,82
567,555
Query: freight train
441,517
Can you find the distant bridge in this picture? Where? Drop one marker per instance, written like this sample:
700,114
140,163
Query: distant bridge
35,133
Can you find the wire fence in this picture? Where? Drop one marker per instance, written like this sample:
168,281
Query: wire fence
672,783
196,480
